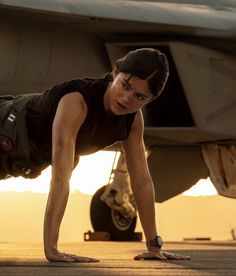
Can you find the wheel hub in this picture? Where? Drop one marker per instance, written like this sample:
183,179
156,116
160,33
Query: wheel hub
120,221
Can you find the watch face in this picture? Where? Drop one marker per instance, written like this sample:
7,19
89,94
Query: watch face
159,241
156,242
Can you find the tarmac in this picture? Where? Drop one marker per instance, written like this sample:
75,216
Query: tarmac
116,258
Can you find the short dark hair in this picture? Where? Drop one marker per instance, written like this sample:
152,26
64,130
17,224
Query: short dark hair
147,64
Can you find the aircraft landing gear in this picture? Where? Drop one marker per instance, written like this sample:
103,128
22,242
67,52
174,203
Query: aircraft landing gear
106,219
113,207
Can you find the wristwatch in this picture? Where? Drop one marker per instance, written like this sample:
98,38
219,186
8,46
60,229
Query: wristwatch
156,242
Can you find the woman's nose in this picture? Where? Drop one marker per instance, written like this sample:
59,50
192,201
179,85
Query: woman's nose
127,98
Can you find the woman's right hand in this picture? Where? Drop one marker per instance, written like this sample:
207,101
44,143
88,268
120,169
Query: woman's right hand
57,256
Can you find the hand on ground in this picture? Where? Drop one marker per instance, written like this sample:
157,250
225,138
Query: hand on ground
160,255
65,257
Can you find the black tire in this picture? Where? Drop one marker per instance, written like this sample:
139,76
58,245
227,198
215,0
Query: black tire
103,218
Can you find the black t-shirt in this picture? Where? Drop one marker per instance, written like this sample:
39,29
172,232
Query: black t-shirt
97,132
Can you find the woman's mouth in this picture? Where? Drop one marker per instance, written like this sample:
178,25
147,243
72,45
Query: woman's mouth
121,106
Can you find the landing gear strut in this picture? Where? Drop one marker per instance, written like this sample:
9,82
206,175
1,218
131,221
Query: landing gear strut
113,207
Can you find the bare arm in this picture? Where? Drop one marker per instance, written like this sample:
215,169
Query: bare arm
141,181
70,115
143,190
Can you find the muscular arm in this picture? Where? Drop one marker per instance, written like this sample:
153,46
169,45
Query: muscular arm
141,181
70,115
142,187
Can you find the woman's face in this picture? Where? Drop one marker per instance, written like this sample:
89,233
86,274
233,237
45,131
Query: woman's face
126,94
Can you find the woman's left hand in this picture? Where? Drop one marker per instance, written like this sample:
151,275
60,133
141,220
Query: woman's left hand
160,255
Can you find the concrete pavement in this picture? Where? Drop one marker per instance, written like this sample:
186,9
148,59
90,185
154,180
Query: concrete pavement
116,258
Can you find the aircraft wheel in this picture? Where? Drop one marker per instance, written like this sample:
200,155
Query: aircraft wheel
103,218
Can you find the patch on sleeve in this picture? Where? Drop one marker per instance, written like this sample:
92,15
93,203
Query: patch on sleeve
5,143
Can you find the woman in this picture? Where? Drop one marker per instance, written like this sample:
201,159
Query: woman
85,115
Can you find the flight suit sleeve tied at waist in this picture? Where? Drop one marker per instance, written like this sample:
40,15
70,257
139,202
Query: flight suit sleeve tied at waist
18,154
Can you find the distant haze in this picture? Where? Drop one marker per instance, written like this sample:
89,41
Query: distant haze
181,217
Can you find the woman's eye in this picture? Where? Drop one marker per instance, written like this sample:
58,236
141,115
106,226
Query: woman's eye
140,97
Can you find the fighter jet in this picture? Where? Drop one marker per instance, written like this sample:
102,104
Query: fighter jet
190,131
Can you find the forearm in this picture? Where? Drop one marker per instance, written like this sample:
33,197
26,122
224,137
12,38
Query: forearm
141,181
56,205
145,200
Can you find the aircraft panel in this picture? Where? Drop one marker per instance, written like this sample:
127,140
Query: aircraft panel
33,59
205,16
212,97
175,169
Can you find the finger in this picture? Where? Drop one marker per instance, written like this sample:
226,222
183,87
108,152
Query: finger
86,260
150,256
82,259
181,257
172,256
60,258
137,258
67,259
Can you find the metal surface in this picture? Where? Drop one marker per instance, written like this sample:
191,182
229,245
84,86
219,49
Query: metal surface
205,14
